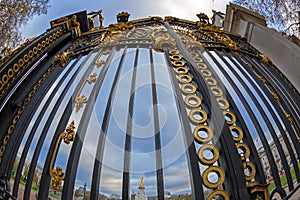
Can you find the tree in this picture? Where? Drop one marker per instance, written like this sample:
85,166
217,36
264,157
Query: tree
283,15
14,14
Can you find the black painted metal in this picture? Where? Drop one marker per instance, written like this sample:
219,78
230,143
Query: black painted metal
29,140
159,167
74,156
101,143
127,147
270,126
45,179
19,131
41,140
194,170
279,111
291,102
230,159
260,177
257,125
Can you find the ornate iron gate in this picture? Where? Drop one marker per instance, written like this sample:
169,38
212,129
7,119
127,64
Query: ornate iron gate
196,111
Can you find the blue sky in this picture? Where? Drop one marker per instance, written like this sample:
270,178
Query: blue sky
137,8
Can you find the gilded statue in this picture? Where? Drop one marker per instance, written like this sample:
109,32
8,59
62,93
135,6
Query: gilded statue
141,183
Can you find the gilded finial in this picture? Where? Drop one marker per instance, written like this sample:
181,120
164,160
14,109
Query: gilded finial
141,186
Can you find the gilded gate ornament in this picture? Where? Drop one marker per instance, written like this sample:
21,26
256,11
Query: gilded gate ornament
57,174
264,58
80,100
63,59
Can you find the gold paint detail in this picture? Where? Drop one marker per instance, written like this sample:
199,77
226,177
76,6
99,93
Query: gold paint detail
251,167
246,151
63,59
217,193
213,169
181,70
185,78
193,101
276,97
216,91
201,154
163,40
22,63
141,185
57,175
80,100
99,63
203,128
188,88
227,41
261,79
178,63
289,117
238,131
223,103
21,110
264,58
92,78
200,112
258,191
231,119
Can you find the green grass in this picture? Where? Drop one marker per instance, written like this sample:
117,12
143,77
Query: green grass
34,187
283,180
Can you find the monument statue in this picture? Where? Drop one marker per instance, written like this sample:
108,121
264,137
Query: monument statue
141,193
141,186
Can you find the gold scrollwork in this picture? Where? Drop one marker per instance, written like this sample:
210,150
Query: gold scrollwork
92,78
221,177
163,40
81,100
99,63
57,175
264,58
261,79
63,59
227,41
